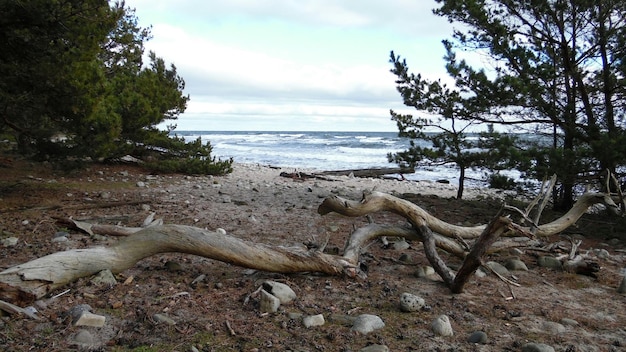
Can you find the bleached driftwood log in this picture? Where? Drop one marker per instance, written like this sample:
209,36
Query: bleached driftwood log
32,280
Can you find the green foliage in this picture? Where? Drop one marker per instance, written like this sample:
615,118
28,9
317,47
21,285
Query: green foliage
192,158
73,84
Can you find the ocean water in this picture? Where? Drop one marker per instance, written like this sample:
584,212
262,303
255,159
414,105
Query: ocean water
321,151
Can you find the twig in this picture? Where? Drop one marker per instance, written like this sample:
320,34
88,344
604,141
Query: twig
13,309
60,294
230,329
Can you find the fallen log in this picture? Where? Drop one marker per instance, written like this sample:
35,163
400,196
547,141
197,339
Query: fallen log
370,172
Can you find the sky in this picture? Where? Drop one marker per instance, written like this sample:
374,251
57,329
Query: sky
293,65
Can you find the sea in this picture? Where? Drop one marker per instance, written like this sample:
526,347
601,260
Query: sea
323,151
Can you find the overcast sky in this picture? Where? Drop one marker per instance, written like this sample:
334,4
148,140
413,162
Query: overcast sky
293,65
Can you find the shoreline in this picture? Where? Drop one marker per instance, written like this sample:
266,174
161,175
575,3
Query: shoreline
267,175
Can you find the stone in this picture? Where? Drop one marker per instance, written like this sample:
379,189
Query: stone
279,290
569,322
313,320
9,241
84,338
366,323
59,239
173,266
424,271
268,303
90,319
478,337
622,286
549,262
61,234
537,347
105,277
498,268
441,326
375,348
399,245
411,303
78,310
163,319
552,327
515,264
141,184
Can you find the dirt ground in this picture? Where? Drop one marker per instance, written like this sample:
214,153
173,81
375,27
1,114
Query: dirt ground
567,311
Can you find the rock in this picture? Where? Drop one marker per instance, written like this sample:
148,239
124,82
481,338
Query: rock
411,303
173,266
515,264
9,241
84,338
59,239
477,337
366,323
552,327
549,262
424,271
313,320
78,310
441,326
164,319
279,290
537,347
269,303
105,277
60,234
569,322
375,348
141,184
602,253
498,268
399,245
90,319
622,286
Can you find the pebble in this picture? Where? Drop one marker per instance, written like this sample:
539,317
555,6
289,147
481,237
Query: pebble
269,303
515,264
9,241
90,319
173,266
537,347
59,239
84,338
622,286
411,303
478,337
105,277
313,320
61,234
141,184
549,262
162,318
569,322
375,348
78,310
498,268
366,323
424,271
441,326
553,328
279,290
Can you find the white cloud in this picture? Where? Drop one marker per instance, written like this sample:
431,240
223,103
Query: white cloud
324,66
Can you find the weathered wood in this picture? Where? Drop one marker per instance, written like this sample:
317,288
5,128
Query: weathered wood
371,172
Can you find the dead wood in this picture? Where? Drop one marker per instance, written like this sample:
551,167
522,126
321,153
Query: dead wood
35,279
371,172
32,280
377,201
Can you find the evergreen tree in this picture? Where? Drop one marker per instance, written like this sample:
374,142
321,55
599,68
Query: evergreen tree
557,69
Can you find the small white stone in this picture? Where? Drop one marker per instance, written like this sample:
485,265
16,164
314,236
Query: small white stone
269,303
313,320
90,319
441,326
411,303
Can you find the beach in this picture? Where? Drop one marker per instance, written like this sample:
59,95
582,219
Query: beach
212,305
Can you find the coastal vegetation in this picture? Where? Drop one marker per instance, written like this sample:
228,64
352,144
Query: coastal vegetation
551,68
75,87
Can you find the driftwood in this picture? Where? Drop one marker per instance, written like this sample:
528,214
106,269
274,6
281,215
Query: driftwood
371,172
26,282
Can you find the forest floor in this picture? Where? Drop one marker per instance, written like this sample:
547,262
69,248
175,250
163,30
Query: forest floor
213,307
